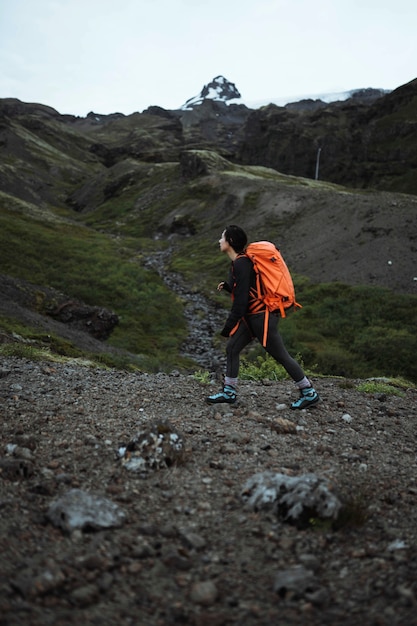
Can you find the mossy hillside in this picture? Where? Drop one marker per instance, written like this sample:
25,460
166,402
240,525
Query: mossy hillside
119,130
155,195
120,235
148,137
98,270
148,205
52,143
56,145
42,161
158,196
357,331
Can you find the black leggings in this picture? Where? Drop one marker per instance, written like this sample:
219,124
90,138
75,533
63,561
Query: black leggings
251,327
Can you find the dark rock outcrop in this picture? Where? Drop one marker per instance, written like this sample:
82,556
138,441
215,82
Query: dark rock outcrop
19,297
359,145
97,321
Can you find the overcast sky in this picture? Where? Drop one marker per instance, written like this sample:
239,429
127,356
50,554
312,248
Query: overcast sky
106,56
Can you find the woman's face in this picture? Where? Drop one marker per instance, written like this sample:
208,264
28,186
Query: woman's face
224,245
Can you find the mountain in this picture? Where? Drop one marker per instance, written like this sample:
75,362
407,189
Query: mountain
120,216
219,89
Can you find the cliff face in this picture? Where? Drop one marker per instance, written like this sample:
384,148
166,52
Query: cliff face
358,145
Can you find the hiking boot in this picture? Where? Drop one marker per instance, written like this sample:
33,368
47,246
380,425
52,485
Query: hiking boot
308,397
228,395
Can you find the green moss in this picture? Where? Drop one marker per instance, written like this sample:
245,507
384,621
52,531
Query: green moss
379,387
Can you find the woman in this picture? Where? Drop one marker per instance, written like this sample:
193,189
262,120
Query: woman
241,326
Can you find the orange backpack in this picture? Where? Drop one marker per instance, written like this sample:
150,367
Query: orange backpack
274,285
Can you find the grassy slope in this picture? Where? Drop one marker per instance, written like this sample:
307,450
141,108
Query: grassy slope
97,256
94,267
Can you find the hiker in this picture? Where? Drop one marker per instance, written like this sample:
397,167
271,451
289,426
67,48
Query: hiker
241,326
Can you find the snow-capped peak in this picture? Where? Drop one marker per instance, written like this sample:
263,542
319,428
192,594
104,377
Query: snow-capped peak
220,90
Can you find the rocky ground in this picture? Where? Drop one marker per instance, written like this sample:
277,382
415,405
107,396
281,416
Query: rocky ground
185,547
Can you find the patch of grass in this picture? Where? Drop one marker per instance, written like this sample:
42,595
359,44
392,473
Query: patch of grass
262,368
10,326
18,339
378,387
23,350
34,352
202,377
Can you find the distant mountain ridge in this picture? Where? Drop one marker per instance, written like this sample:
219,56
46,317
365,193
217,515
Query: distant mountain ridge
220,89
365,95
366,141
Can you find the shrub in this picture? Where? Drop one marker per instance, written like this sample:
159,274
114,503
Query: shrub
336,361
263,368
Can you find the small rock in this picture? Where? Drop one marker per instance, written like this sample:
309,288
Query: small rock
193,540
295,498
79,509
204,593
295,579
281,425
83,596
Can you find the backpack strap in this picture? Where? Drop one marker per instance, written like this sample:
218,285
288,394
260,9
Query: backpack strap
266,324
262,308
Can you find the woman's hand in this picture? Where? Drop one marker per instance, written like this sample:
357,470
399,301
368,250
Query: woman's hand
220,286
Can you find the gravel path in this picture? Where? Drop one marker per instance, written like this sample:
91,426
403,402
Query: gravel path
188,549
203,317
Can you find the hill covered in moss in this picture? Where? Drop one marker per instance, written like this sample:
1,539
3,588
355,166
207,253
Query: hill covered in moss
124,214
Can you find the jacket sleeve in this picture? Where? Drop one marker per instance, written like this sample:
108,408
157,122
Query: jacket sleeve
228,284
242,268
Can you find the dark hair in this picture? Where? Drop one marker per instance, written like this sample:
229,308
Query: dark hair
236,237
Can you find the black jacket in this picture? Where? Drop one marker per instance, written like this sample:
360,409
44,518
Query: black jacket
241,279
